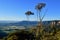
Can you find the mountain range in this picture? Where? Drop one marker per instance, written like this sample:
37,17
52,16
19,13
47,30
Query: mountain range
24,23
12,24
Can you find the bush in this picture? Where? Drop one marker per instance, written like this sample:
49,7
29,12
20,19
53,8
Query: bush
22,35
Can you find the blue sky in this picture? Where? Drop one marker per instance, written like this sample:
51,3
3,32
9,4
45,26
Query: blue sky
14,10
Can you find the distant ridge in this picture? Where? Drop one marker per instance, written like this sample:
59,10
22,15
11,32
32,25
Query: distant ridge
23,23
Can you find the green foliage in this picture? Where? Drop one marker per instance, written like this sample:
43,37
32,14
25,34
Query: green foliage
22,35
54,34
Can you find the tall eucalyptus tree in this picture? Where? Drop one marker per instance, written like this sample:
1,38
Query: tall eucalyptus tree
39,7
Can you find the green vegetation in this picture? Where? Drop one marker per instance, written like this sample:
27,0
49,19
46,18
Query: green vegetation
53,34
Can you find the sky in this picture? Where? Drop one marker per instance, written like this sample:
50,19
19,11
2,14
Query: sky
14,10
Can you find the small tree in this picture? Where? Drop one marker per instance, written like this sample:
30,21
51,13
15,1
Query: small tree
28,13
